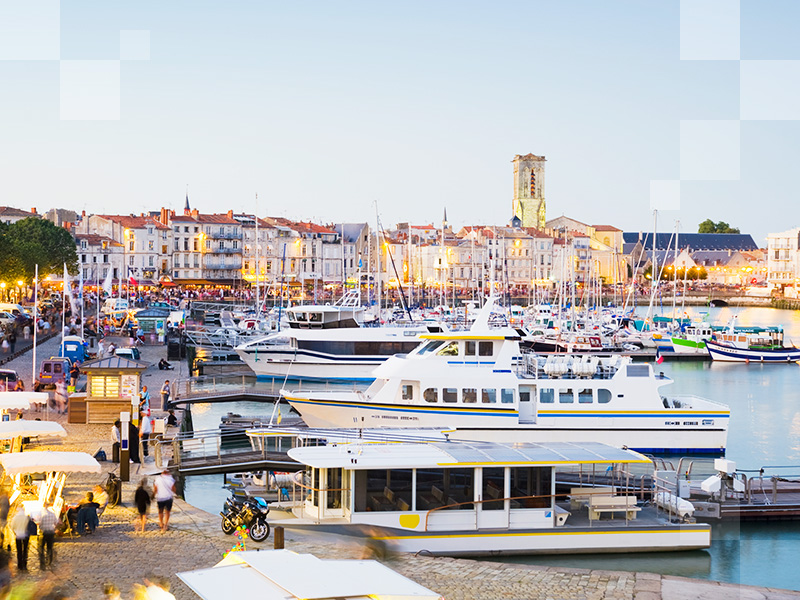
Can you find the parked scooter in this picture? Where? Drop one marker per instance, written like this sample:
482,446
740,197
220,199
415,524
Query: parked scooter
252,513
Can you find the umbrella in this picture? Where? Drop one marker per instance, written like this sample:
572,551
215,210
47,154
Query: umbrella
21,427
45,461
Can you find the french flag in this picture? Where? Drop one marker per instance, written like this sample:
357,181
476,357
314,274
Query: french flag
659,358
133,281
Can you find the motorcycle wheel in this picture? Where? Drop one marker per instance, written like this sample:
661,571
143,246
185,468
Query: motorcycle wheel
259,530
227,526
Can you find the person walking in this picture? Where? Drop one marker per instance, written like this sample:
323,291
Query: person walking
12,339
164,491
47,526
19,525
142,500
74,373
4,508
145,429
165,393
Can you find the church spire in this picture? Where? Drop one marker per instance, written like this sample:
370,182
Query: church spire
186,209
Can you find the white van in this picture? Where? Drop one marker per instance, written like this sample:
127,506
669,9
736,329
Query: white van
14,309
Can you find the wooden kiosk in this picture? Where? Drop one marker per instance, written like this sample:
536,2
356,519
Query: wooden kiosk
112,382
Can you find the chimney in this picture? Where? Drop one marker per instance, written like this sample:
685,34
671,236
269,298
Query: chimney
83,214
164,217
230,214
33,210
195,213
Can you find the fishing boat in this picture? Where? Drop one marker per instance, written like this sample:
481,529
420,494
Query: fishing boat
728,352
329,342
481,385
478,498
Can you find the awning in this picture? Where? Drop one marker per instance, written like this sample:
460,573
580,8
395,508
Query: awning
24,428
21,400
45,461
284,575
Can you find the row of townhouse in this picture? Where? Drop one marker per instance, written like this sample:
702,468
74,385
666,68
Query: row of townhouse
783,262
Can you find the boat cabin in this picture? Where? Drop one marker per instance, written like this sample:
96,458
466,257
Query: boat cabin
446,485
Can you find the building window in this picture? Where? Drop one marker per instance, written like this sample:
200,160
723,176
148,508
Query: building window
151,245
131,246
186,244
150,261
130,261
194,244
149,231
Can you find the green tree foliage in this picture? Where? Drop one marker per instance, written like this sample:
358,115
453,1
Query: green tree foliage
709,226
33,241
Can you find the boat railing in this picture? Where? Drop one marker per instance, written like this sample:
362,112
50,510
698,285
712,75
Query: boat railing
686,401
563,366
211,444
246,383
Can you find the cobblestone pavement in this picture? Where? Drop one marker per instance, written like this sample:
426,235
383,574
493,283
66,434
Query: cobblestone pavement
116,553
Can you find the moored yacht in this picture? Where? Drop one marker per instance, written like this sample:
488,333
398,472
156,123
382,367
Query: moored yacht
481,385
329,342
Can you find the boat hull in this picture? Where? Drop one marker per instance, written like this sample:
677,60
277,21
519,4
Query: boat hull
595,539
720,352
303,365
661,432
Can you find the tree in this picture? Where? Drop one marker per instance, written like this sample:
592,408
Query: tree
708,226
33,241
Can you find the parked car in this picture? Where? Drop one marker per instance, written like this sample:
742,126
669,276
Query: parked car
6,318
8,380
53,370
130,352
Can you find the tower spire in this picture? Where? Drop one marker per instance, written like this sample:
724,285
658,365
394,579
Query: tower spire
186,209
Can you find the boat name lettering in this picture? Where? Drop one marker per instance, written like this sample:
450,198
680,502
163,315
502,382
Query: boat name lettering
708,421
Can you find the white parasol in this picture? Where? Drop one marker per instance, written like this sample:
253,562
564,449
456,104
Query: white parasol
45,461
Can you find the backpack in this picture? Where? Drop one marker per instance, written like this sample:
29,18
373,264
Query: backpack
32,528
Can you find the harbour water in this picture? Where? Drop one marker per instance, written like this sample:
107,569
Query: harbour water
764,431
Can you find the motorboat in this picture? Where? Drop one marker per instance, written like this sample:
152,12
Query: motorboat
479,498
330,342
728,352
482,386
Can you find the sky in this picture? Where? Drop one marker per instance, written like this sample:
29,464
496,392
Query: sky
338,111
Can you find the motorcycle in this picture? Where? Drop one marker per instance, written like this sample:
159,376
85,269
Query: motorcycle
251,512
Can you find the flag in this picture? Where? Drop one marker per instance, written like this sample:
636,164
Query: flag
132,281
107,283
659,358
68,291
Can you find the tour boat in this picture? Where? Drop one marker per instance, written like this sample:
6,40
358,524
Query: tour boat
482,386
481,498
329,342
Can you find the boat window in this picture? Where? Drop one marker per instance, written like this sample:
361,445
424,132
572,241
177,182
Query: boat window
314,485
565,396
585,396
469,395
507,396
489,396
334,487
485,348
494,479
430,346
315,317
638,370
383,490
449,395
431,395
450,350
445,487
408,392
603,396
547,396
530,487
469,348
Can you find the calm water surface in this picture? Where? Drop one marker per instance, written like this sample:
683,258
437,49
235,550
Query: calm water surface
764,431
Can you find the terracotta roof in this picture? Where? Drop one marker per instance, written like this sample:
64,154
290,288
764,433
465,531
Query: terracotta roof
135,222
605,228
10,211
95,240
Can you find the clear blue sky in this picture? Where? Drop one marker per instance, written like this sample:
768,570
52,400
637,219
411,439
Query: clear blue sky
325,107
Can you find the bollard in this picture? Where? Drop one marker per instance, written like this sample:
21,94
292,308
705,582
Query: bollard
277,537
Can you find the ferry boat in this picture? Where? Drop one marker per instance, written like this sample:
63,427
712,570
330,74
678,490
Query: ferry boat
479,384
479,498
329,342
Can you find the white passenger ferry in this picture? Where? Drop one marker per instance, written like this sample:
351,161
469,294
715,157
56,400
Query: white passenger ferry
479,384
480,498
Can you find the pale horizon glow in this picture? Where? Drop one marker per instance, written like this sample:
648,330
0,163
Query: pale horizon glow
328,111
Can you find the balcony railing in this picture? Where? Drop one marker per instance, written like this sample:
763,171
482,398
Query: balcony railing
216,235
